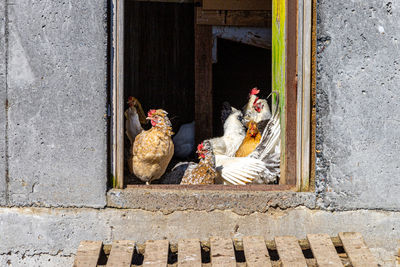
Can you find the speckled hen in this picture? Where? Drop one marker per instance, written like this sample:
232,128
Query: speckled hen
153,149
204,172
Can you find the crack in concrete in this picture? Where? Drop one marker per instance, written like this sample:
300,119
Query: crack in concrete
41,253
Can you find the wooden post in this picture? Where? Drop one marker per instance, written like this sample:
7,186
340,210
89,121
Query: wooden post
284,81
279,70
291,92
118,93
311,182
203,81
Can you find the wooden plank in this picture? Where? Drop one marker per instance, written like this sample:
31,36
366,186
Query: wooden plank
311,187
256,252
121,254
217,187
113,93
88,254
234,18
166,1
189,253
203,82
291,92
210,17
119,94
249,18
324,251
237,4
279,71
357,250
299,91
156,253
306,114
222,253
290,252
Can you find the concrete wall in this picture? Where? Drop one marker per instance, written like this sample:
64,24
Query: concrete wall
358,104
54,234
54,60
57,66
2,104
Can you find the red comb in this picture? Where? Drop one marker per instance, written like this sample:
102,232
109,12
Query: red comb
254,91
151,112
255,102
200,147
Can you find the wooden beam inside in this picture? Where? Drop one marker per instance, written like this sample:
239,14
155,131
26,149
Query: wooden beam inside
237,4
234,18
203,82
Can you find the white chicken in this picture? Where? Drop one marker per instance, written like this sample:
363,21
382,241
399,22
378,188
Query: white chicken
256,109
234,133
184,140
262,166
238,171
269,149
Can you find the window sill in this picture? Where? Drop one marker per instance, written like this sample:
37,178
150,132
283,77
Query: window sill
242,200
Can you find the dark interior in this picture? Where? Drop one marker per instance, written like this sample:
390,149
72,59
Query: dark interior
159,58
159,65
239,68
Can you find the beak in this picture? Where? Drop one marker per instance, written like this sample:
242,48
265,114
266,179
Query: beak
148,118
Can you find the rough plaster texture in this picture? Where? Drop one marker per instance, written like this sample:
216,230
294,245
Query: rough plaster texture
46,232
358,104
57,141
240,202
3,103
57,95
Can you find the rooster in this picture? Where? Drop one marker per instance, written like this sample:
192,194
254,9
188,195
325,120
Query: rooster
268,149
250,142
135,118
234,133
152,150
256,109
204,172
262,166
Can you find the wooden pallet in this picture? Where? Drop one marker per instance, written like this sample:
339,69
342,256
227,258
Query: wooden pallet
252,251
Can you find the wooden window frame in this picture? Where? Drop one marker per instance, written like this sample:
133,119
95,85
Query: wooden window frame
293,77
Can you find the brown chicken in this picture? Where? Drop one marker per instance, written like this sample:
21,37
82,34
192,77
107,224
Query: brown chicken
250,142
204,172
153,149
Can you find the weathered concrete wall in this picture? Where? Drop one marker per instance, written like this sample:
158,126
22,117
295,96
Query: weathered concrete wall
240,202
44,232
358,104
56,74
57,93
3,106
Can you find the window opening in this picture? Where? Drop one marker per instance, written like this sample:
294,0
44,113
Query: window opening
163,47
